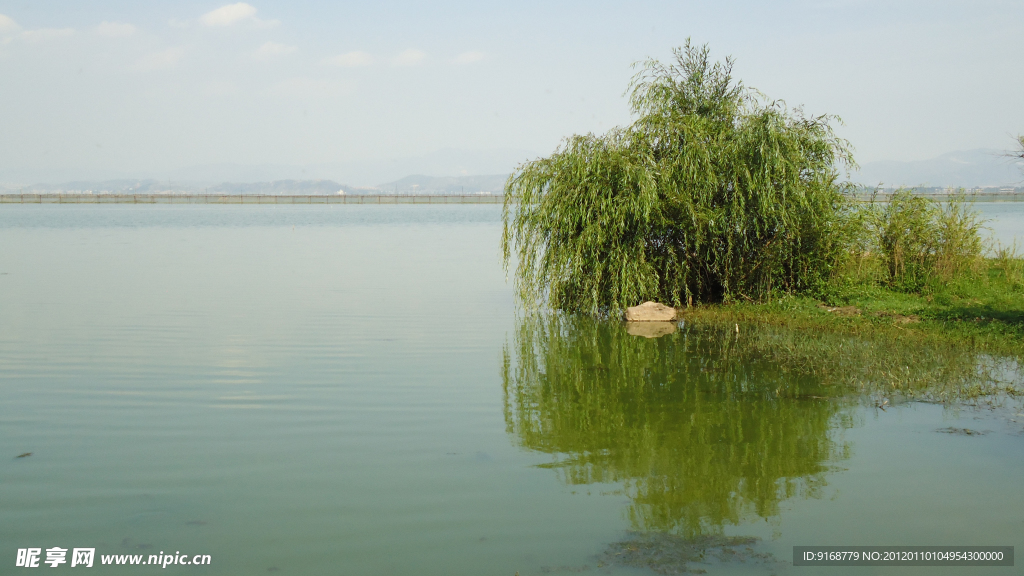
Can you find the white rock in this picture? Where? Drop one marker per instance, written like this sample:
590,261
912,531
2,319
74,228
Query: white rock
650,312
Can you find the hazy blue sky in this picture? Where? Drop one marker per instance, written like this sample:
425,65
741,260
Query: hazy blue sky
113,88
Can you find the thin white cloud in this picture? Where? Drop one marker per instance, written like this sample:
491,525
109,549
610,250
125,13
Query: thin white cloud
410,57
115,29
44,34
161,60
8,25
229,14
351,59
274,49
219,88
309,88
11,32
232,14
470,57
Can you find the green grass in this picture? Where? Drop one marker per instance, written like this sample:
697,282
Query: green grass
984,311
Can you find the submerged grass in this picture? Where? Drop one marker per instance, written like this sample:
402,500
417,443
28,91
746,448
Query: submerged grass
669,554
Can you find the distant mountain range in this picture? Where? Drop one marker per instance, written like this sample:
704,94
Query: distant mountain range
448,162
418,184
966,168
494,184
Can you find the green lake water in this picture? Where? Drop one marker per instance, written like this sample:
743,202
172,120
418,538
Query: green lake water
350,390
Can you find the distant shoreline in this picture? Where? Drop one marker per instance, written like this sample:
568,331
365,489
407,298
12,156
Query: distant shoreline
253,199
478,198
1015,195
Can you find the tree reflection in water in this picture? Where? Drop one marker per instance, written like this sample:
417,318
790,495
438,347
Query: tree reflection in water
700,436
715,426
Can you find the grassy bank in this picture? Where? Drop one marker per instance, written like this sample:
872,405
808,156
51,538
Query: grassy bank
983,310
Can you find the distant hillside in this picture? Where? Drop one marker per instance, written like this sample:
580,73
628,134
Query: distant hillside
968,169
102,187
409,185
124,186
965,168
362,173
420,184
279,187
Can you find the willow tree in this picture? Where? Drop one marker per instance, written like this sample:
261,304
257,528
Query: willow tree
712,193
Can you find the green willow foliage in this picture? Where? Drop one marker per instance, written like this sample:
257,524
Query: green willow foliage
711,194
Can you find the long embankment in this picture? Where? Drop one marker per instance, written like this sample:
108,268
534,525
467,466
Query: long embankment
1014,196
250,199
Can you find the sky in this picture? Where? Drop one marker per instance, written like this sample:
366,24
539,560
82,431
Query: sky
112,89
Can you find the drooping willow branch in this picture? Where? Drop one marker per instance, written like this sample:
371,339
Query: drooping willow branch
711,194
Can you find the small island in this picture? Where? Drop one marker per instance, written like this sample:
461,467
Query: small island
730,206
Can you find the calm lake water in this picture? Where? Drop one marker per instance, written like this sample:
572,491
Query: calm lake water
349,390
1005,221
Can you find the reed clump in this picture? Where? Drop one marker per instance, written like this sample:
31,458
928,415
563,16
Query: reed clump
918,240
1007,259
